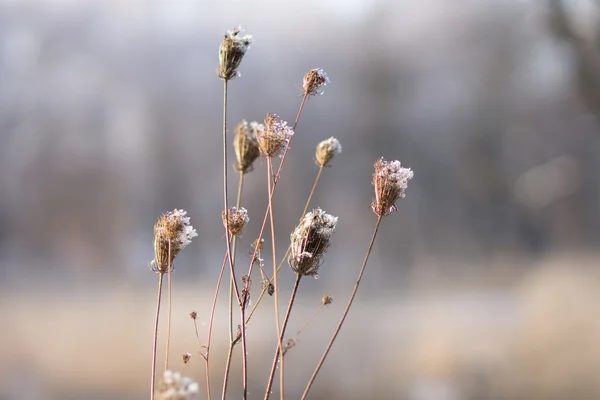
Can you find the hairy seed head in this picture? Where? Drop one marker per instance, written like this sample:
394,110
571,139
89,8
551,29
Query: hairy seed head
326,150
390,180
231,52
245,145
310,240
314,80
235,219
172,233
274,137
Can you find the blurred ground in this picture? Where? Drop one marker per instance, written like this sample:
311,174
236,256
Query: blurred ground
530,335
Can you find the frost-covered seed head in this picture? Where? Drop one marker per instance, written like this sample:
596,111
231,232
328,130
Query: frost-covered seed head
172,233
310,240
314,80
176,387
326,150
390,180
235,219
274,137
231,52
245,145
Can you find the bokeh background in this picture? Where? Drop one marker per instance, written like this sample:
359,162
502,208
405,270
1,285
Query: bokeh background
484,285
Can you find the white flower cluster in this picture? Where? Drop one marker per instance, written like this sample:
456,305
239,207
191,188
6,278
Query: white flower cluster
395,174
327,149
176,387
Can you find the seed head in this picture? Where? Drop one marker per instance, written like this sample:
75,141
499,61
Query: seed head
310,240
327,299
314,80
193,314
326,150
235,219
231,52
274,136
176,387
172,233
390,180
245,145
186,357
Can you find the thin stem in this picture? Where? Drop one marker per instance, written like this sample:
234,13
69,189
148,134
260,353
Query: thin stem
272,191
345,314
168,311
227,368
278,351
273,244
210,326
310,196
160,280
233,341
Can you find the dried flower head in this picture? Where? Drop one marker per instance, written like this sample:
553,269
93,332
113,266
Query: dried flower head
390,180
176,387
310,240
235,219
193,314
172,233
245,145
314,80
274,137
231,52
186,357
327,299
326,150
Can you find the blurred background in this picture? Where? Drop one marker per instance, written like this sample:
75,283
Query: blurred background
485,284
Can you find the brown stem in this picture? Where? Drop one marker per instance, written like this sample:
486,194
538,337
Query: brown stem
152,379
337,329
278,352
168,310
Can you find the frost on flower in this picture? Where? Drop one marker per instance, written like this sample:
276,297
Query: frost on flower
326,150
231,52
390,180
314,80
245,145
274,137
310,240
172,233
235,219
176,387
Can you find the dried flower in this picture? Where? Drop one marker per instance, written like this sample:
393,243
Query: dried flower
314,80
327,299
193,314
172,233
186,357
275,135
232,50
176,387
326,150
310,240
235,219
245,145
390,180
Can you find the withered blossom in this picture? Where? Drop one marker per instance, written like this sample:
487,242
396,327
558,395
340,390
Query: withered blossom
172,233
390,180
326,150
309,242
231,52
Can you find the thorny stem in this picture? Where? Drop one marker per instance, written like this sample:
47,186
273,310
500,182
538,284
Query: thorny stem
278,351
345,314
160,280
168,311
